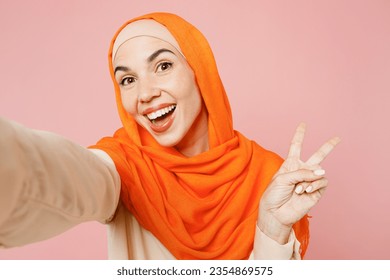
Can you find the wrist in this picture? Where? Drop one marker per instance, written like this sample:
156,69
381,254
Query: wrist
274,229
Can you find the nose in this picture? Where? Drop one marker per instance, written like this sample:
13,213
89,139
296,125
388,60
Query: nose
148,90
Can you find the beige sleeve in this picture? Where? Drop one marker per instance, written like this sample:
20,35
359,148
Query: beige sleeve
49,184
265,248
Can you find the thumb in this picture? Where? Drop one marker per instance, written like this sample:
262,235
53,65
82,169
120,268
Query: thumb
300,175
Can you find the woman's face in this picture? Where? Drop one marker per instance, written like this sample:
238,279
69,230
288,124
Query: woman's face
159,91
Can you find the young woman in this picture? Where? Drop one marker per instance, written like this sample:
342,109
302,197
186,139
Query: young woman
176,181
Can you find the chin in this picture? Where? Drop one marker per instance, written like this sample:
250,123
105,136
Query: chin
166,140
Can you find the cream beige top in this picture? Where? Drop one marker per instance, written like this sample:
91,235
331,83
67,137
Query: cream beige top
49,184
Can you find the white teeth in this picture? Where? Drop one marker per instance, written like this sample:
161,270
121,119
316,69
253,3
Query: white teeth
161,112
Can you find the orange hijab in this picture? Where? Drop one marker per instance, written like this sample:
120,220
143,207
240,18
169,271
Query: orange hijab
202,207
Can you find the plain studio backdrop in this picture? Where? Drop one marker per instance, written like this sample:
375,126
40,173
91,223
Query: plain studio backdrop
282,62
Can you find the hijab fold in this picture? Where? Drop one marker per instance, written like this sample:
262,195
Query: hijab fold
201,207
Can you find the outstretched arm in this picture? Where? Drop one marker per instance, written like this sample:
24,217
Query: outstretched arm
49,184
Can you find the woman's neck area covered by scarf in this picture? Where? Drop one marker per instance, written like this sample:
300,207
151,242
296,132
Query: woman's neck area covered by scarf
200,207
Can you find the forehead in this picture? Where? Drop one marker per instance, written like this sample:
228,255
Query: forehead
140,48
144,27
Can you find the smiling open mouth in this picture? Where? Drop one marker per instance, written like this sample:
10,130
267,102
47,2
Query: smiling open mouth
158,117
162,119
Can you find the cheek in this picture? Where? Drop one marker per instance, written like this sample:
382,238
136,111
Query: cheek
192,94
192,102
187,85
197,104
129,102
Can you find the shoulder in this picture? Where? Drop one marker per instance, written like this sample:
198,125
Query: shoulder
269,161
268,156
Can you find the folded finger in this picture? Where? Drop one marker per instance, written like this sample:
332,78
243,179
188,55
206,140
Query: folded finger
301,187
317,185
309,187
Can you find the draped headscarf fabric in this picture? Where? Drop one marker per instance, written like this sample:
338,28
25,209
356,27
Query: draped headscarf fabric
201,207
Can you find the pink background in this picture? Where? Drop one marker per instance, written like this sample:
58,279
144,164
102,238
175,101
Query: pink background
323,62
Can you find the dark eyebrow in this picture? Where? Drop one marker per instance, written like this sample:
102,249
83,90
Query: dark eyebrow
157,53
152,57
121,68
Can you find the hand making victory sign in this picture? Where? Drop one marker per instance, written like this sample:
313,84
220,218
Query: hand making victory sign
294,189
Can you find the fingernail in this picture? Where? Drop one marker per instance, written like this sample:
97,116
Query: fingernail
319,172
309,189
298,189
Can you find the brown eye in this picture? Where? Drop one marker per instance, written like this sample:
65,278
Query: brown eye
164,66
127,81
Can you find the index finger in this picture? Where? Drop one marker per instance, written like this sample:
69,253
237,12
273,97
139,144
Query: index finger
323,151
296,142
